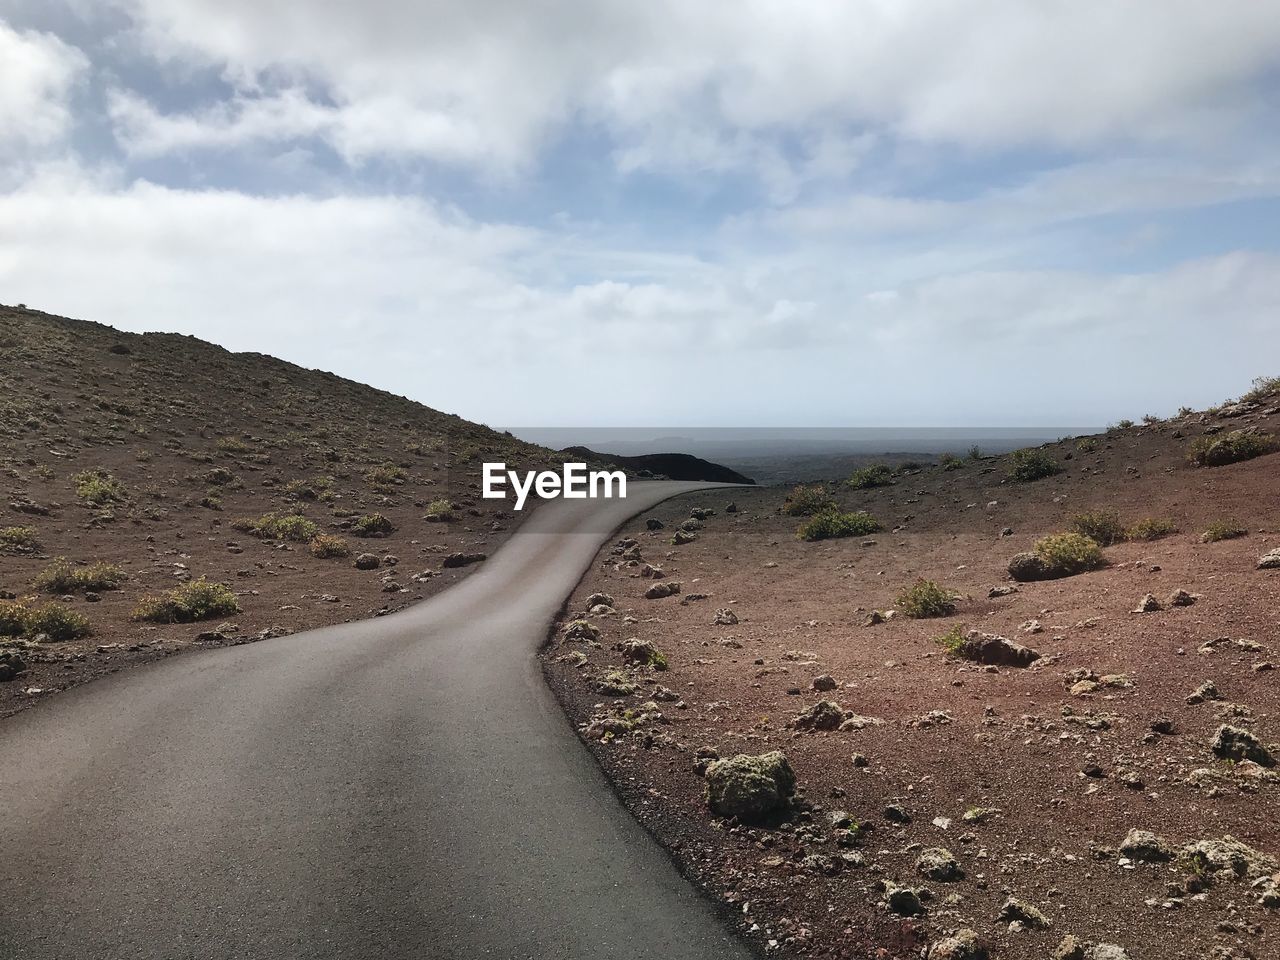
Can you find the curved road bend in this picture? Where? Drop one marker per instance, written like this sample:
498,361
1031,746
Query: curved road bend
403,787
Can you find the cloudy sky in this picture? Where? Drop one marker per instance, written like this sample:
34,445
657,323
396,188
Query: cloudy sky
728,212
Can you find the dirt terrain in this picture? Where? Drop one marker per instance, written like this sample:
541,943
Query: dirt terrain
149,453
960,809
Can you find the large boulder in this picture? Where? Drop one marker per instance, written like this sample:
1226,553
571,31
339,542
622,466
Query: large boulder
961,945
1270,561
994,650
1233,743
1027,567
750,787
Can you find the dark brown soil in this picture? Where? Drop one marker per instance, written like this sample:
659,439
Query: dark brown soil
177,421
1012,740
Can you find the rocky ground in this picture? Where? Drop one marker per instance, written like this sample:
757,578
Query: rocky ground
1106,792
151,453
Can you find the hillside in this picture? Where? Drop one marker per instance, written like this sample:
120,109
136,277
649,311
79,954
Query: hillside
670,466
1077,768
153,461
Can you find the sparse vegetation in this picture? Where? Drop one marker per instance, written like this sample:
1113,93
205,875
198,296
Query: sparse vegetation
1104,527
831,524
438,510
1233,447
1264,388
925,599
875,475
975,453
18,540
953,640
271,526
61,576
99,488
1029,465
1066,554
949,461
233,445
372,525
1124,424
387,475
806,501
1087,444
326,546
1223,530
19,618
1151,528
188,603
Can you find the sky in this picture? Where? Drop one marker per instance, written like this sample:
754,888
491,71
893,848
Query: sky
721,213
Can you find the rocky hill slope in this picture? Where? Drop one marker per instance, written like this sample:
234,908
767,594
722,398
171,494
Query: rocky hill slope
857,729
273,498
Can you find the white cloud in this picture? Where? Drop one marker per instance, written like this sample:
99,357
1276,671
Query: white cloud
38,73
721,84
479,319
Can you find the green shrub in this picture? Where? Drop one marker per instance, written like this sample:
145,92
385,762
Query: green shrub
218,477
1087,444
1264,388
925,599
1124,424
188,603
1066,554
975,453
56,622
807,501
949,461
1102,526
1233,447
1223,530
99,488
952,640
271,526
233,445
19,619
18,540
326,546
372,525
387,475
876,475
13,618
1151,528
1028,465
1184,412
61,576
831,524
440,509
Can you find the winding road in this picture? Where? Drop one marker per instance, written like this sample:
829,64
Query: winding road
403,787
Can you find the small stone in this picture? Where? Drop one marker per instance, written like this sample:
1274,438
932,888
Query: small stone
1148,604
824,683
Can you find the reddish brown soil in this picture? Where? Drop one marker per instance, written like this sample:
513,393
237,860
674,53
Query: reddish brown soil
1014,741
159,412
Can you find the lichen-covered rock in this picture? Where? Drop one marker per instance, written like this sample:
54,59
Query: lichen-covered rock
665,588
961,945
937,863
1071,948
1227,856
580,630
1022,912
724,617
367,561
902,900
1233,743
1148,604
615,683
682,537
600,600
750,788
990,649
641,653
823,715
1026,567
1145,846
1270,561
11,664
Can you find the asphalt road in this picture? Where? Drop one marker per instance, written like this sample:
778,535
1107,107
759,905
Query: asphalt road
404,787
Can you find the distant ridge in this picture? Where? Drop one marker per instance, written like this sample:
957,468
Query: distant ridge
675,466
